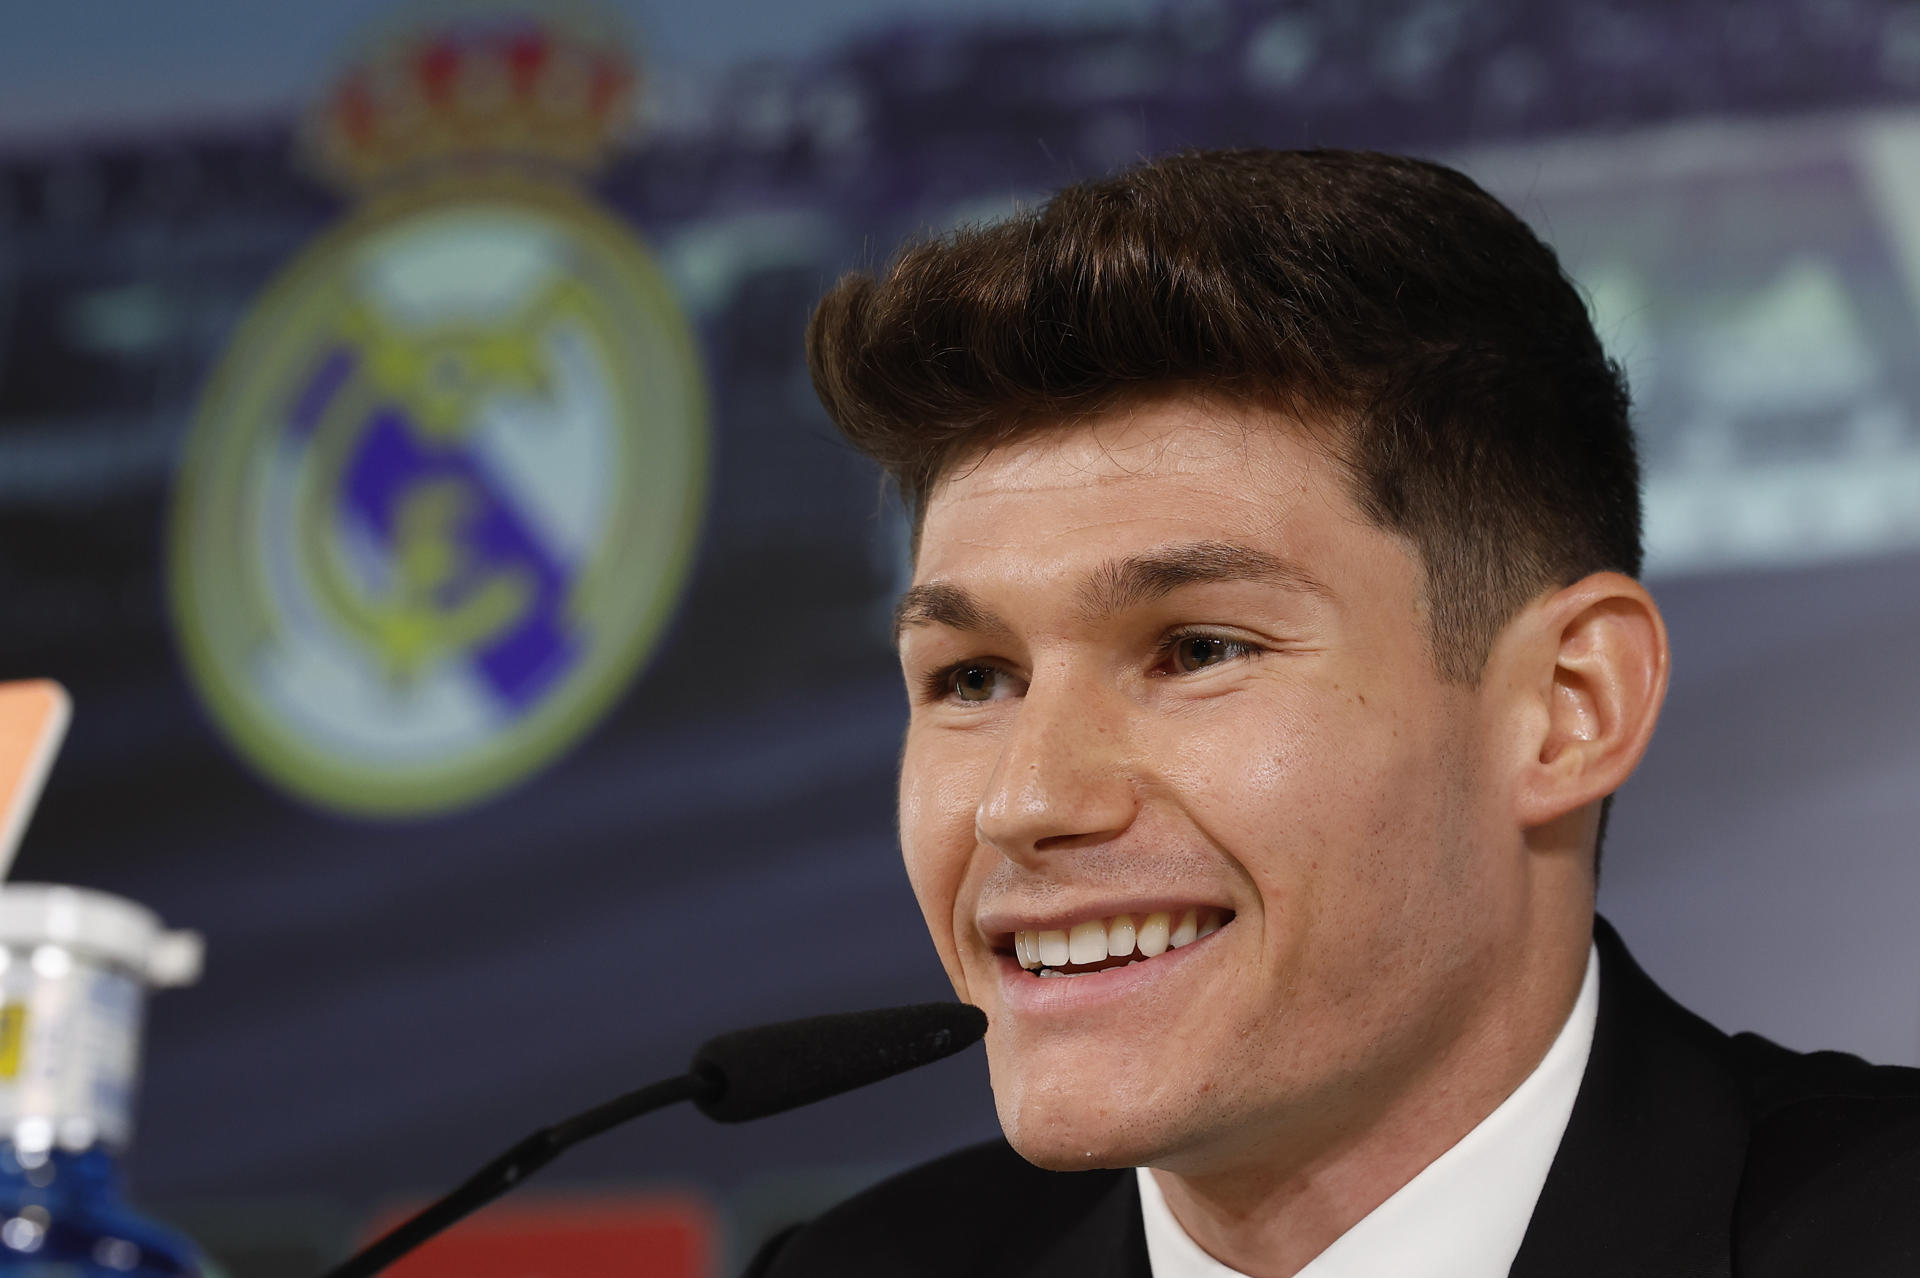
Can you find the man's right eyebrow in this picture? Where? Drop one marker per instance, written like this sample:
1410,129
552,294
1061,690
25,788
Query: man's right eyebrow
938,603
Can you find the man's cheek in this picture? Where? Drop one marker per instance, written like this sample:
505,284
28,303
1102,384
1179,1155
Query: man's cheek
934,873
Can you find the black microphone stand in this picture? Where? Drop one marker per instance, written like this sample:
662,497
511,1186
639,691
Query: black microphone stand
742,1075
514,1166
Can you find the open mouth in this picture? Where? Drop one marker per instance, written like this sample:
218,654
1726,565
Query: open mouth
1100,945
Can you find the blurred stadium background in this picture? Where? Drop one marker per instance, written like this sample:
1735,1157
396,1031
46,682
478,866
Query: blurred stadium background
701,837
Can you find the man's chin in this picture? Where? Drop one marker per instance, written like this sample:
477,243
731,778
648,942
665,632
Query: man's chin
1071,1104
1082,1137
1056,1155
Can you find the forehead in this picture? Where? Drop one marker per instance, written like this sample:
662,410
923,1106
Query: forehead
1162,473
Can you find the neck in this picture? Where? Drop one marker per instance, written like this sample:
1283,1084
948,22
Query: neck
1271,1210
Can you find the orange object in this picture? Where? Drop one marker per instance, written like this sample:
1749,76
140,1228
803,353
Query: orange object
33,722
656,1235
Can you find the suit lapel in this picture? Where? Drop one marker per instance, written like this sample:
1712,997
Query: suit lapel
1646,1176
1108,1241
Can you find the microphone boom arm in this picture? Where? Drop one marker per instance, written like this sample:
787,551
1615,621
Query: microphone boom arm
735,1077
515,1165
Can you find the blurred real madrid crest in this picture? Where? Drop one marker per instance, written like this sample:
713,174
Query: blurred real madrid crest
441,495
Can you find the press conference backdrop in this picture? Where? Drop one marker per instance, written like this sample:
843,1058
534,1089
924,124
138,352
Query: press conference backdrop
478,633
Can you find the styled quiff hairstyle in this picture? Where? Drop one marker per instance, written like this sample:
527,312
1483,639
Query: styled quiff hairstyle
1387,304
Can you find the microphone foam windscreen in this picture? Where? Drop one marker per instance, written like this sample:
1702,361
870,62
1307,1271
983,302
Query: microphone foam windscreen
756,1072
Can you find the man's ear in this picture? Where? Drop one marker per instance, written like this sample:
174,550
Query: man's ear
1589,666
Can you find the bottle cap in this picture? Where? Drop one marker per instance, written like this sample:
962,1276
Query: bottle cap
102,926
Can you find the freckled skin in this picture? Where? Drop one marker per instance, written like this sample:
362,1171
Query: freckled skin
1329,788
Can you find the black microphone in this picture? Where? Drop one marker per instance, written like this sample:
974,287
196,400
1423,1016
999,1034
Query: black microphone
743,1075
757,1072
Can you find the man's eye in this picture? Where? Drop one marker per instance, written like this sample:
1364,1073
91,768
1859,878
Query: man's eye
974,683
1193,652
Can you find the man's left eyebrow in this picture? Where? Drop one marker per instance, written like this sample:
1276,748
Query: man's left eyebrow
1138,579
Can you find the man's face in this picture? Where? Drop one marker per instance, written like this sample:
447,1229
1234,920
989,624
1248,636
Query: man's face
1160,663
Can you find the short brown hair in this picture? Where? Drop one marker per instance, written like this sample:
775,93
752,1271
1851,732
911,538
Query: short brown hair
1392,298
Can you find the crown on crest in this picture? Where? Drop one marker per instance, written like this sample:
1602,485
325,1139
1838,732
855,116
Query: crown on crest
496,83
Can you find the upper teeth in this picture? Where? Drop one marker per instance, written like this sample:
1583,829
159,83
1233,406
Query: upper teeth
1096,940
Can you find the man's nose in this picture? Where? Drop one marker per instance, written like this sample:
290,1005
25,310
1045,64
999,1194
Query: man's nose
1062,779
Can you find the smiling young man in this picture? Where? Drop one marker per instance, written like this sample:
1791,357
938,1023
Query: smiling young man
1273,647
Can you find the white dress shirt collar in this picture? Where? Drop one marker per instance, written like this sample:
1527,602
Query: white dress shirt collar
1465,1214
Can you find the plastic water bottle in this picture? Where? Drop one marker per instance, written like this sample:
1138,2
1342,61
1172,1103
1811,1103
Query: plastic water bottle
75,967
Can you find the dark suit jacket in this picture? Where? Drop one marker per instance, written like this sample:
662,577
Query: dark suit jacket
1689,1153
